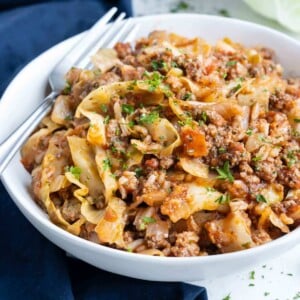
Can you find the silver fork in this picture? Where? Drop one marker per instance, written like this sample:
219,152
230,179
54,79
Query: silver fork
98,36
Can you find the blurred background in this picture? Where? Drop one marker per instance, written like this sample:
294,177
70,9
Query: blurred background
283,15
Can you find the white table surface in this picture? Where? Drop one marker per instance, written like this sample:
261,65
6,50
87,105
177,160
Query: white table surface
277,279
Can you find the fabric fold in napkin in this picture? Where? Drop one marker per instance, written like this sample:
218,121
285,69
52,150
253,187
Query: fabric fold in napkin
30,266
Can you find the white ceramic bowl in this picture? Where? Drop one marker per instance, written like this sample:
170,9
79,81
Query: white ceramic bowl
27,90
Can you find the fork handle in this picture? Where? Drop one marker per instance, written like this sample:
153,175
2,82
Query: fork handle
13,142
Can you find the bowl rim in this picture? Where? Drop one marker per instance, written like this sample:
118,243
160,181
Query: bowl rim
45,221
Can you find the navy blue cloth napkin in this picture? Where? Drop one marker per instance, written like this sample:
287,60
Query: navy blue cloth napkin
30,266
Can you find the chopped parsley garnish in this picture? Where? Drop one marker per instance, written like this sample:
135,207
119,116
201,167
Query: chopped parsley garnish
231,63
236,88
129,249
297,296
113,149
131,123
224,75
227,297
295,133
204,116
180,6
296,120
261,198
104,108
153,80
210,189
127,109
174,64
249,131
223,199
132,85
138,172
246,245
291,158
266,294
187,96
187,121
67,89
68,118
257,158
224,172
106,164
222,150
75,171
252,275
251,284
224,12
146,221
106,120
158,64
149,118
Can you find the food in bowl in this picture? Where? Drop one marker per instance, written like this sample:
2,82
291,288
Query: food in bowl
174,148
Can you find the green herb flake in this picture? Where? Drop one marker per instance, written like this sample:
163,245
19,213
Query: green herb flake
67,89
106,164
222,150
224,12
257,158
188,121
252,275
113,149
149,118
106,120
158,64
297,120
246,245
187,96
291,158
295,133
297,296
231,63
251,284
132,85
138,172
127,109
210,189
129,249
131,123
68,118
174,64
148,220
261,198
104,108
223,199
204,116
153,80
180,6
290,274
145,221
75,171
249,131
266,294
224,172
236,88
224,75
228,297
